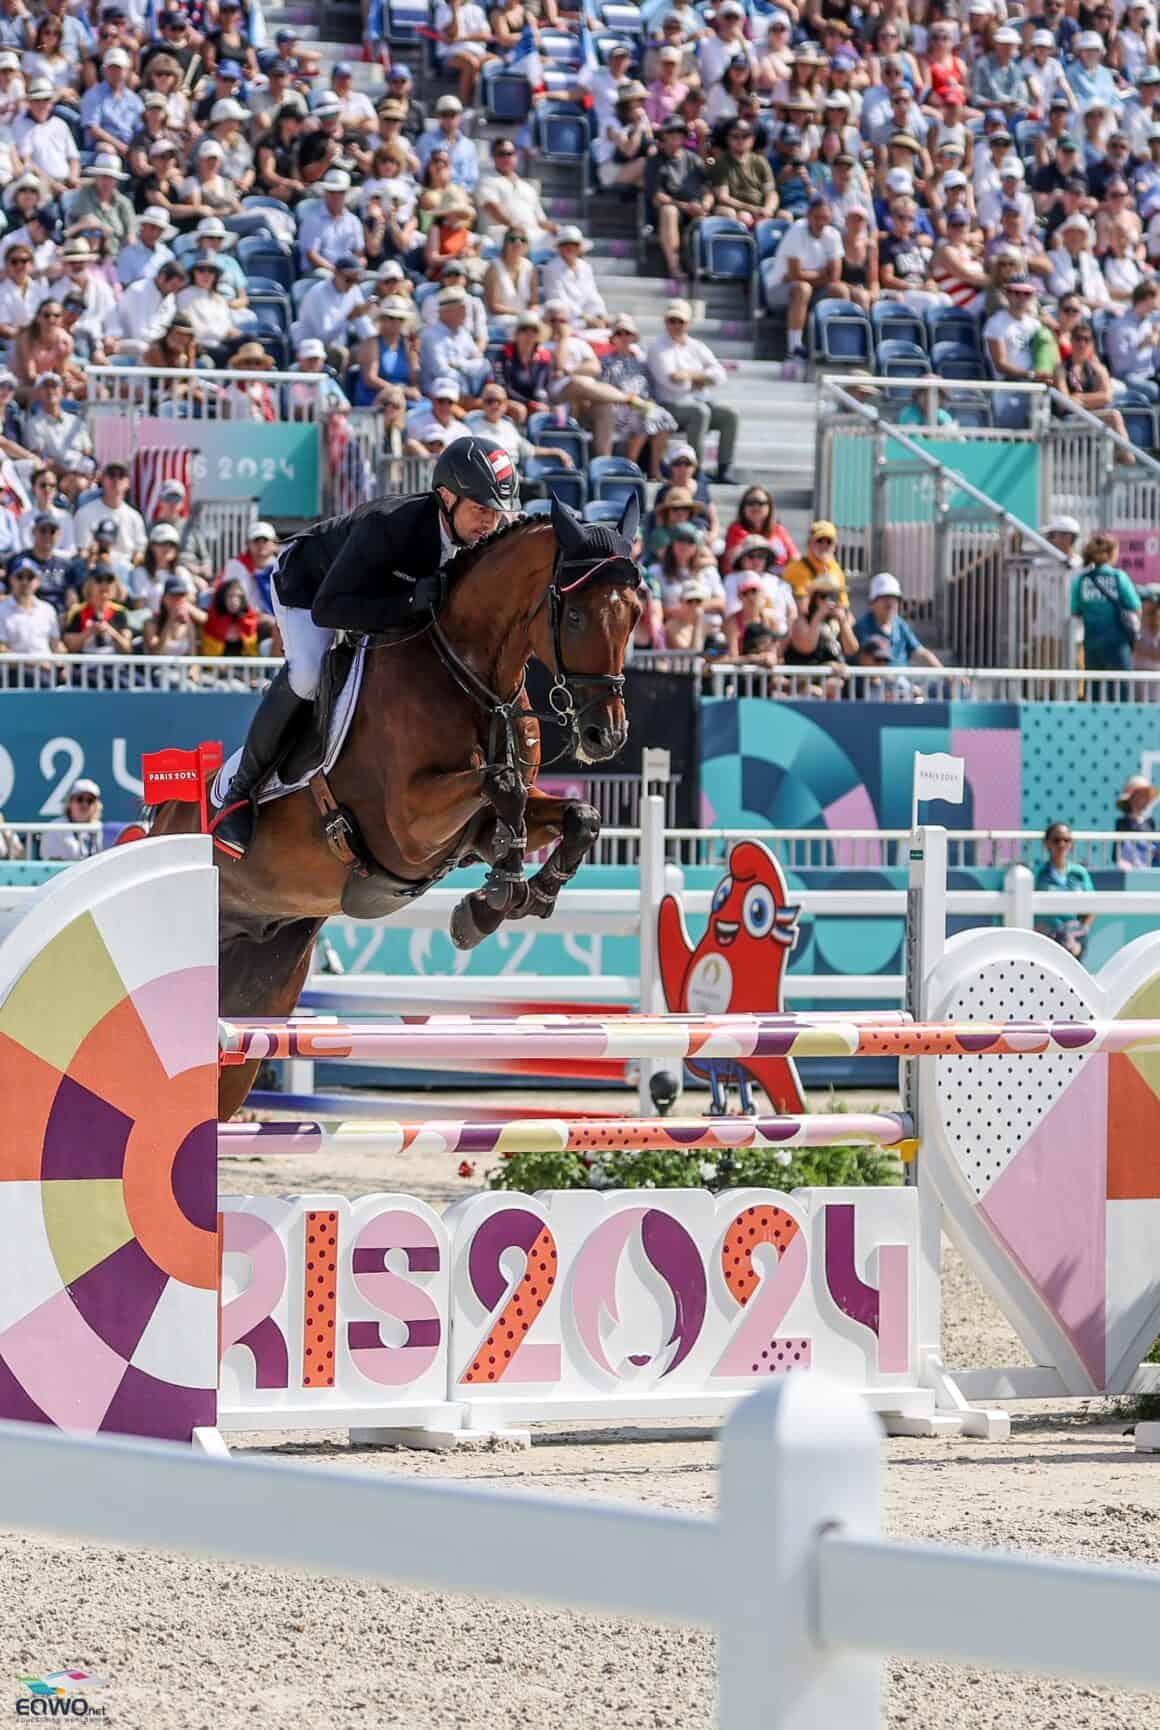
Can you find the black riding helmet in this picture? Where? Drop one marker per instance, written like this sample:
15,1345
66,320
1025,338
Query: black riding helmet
480,470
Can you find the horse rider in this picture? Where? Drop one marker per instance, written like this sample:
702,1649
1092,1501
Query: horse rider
373,570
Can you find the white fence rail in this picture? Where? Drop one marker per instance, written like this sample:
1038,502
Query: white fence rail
794,1574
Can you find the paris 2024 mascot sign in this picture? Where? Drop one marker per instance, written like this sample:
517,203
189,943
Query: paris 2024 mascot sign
738,968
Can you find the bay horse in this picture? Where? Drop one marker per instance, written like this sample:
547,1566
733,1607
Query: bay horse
439,764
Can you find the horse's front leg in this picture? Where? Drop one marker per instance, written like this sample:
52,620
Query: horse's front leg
577,827
506,793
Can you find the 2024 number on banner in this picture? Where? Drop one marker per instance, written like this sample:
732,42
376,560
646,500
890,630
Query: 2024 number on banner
664,1297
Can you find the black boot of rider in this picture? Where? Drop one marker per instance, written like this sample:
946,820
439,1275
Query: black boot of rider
233,831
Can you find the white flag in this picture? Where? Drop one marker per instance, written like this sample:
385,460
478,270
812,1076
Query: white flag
937,775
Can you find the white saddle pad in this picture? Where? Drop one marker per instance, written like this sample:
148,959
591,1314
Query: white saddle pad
340,719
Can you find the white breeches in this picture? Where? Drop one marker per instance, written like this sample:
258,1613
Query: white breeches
305,645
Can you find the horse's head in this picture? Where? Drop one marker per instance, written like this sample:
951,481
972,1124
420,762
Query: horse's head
594,602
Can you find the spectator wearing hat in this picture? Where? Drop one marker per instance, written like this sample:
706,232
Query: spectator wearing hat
742,181
642,426
821,633
444,417
313,400
400,90
624,150
388,360
47,503
44,141
525,367
83,806
208,191
753,569
331,231
448,135
112,506
569,278
448,349
668,89
1135,802
1091,80
160,563
328,309
251,569
1133,341
111,110
685,471
1045,75
1011,336
249,398
175,625
723,42
1074,268
684,622
806,268
884,619
1051,182
193,548
57,438
227,123
450,239
1121,266
207,309
817,561
677,187
29,625
686,372
998,80
101,200
38,232
148,248
20,293
674,510
993,200
599,86
510,202
82,279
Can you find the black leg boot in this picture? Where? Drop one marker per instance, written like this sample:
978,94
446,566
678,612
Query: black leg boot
233,831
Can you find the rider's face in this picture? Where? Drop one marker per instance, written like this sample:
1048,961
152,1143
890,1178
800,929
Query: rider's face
472,521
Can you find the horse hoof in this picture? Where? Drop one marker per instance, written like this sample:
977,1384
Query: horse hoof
462,928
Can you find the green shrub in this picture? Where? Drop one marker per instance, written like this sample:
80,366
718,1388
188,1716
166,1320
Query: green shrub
700,1168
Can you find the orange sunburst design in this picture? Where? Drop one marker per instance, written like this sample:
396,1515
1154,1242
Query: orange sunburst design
28,1086
117,1061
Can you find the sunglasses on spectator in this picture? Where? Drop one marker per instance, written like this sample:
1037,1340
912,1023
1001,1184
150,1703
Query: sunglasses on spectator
23,576
82,798
20,258
822,540
1080,334
505,152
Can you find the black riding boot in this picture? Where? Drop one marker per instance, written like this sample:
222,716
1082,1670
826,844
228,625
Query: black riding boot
233,831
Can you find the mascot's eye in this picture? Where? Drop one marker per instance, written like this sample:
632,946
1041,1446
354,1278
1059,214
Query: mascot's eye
757,911
722,893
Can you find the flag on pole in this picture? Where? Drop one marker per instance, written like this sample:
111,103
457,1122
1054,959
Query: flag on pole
937,775
182,776
152,467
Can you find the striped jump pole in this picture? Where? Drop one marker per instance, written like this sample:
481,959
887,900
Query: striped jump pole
696,1038
558,1135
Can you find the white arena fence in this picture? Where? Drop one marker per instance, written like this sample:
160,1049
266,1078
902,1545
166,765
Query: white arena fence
717,678
794,1575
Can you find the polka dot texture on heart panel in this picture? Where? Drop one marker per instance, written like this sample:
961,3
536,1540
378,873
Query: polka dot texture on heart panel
990,1105
518,1314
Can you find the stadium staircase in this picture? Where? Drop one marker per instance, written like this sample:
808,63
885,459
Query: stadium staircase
777,417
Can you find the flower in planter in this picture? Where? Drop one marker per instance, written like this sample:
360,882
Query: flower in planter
466,1168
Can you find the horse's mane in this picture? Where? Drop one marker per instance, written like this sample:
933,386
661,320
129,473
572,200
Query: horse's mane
463,560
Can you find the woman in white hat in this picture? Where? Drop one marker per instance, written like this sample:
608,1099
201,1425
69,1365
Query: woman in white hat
643,425
83,805
569,278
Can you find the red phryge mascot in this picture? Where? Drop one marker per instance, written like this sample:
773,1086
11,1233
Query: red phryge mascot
737,967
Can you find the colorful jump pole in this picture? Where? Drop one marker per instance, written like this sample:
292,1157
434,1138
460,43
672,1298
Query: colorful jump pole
553,1134
696,1038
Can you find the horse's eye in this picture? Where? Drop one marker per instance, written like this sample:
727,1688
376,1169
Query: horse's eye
575,616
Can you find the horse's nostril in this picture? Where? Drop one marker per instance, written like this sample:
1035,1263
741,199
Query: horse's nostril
594,735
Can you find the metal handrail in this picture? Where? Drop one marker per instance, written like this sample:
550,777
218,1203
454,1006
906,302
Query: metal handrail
1141,458
870,416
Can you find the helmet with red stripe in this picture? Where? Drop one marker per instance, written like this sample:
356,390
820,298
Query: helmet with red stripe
481,470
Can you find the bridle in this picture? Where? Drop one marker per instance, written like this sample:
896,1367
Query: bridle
565,709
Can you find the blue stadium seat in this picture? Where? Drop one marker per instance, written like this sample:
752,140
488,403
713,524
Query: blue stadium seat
900,359
602,511
561,48
544,429
1011,410
266,285
976,415
258,255
507,95
623,17
726,251
616,479
406,19
893,321
300,289
568,486
956,360
952,324
562,131
249,222
768,235
841,334
538,508
1141,426
272,312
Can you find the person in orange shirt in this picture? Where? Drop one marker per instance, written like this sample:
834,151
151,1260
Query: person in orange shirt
817,561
